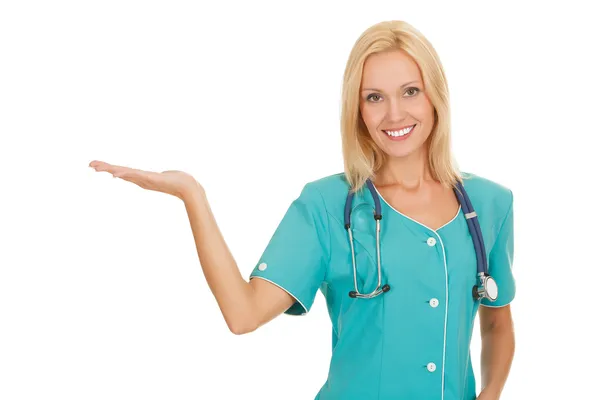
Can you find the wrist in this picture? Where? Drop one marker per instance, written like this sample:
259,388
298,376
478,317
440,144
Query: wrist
192,193
490,393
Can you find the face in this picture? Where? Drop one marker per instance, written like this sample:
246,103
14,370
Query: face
393,104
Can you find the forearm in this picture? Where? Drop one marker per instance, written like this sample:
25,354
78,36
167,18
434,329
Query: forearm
233,293
498,347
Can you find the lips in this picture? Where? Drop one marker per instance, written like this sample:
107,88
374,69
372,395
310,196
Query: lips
400,134
393,129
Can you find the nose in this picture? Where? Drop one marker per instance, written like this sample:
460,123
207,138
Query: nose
396,111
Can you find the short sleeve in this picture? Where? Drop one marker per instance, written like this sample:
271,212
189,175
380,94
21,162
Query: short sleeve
297,254
501,261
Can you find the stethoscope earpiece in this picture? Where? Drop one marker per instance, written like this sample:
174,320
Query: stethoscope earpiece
354,294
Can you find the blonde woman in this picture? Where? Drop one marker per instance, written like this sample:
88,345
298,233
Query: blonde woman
403,245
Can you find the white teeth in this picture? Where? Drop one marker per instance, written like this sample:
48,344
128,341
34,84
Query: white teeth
402,132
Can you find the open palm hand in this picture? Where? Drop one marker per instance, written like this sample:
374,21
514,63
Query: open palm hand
176,183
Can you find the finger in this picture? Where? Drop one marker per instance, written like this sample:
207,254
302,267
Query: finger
128,175
101,166
141,178
144,179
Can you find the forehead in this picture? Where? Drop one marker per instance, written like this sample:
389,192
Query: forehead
389,69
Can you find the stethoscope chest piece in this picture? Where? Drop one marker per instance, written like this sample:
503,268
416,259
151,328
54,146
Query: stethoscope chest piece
487,289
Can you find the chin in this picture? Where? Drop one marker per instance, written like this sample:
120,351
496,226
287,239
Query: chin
399,154
402,151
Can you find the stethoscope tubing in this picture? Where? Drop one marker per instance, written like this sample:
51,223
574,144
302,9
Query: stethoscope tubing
474,229
484,261
472,223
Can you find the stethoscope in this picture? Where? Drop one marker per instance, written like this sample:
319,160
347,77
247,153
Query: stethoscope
486,287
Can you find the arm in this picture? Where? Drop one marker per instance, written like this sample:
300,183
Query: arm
498,347
497,335
244,305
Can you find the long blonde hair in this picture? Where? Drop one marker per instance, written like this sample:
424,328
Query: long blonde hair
362,157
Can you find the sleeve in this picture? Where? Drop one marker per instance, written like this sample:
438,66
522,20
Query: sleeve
297,256
501,261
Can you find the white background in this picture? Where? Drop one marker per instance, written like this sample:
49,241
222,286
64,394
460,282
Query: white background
101,292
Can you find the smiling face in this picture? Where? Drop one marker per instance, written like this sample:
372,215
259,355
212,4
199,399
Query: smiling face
394,105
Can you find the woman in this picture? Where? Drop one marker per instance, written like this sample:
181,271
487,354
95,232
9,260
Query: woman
411,340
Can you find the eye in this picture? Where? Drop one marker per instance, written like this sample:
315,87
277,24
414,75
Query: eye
415,89
369,97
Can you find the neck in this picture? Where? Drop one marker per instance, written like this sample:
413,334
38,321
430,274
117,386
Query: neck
409,172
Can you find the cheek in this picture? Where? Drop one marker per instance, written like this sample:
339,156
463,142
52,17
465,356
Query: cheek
372,117
425,111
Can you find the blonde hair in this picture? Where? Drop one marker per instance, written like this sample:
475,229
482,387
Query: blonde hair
362,157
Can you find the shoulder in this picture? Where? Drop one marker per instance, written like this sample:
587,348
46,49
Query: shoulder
327,193
330,185
487,194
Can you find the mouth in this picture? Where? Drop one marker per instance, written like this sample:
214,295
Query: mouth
400,134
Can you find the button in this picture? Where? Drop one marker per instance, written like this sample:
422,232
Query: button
431,241
434,302
262,266
431,367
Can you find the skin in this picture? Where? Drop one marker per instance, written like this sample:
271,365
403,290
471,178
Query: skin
246,306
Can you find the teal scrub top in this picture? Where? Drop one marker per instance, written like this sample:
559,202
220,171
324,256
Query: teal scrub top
413,341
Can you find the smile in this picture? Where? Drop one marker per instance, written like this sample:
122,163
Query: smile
400,132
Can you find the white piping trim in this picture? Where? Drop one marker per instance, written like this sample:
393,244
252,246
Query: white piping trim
504,305
406,216
445,315
287,291
445,270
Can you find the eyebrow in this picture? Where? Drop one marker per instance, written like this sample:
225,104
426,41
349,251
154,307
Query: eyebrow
379,90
